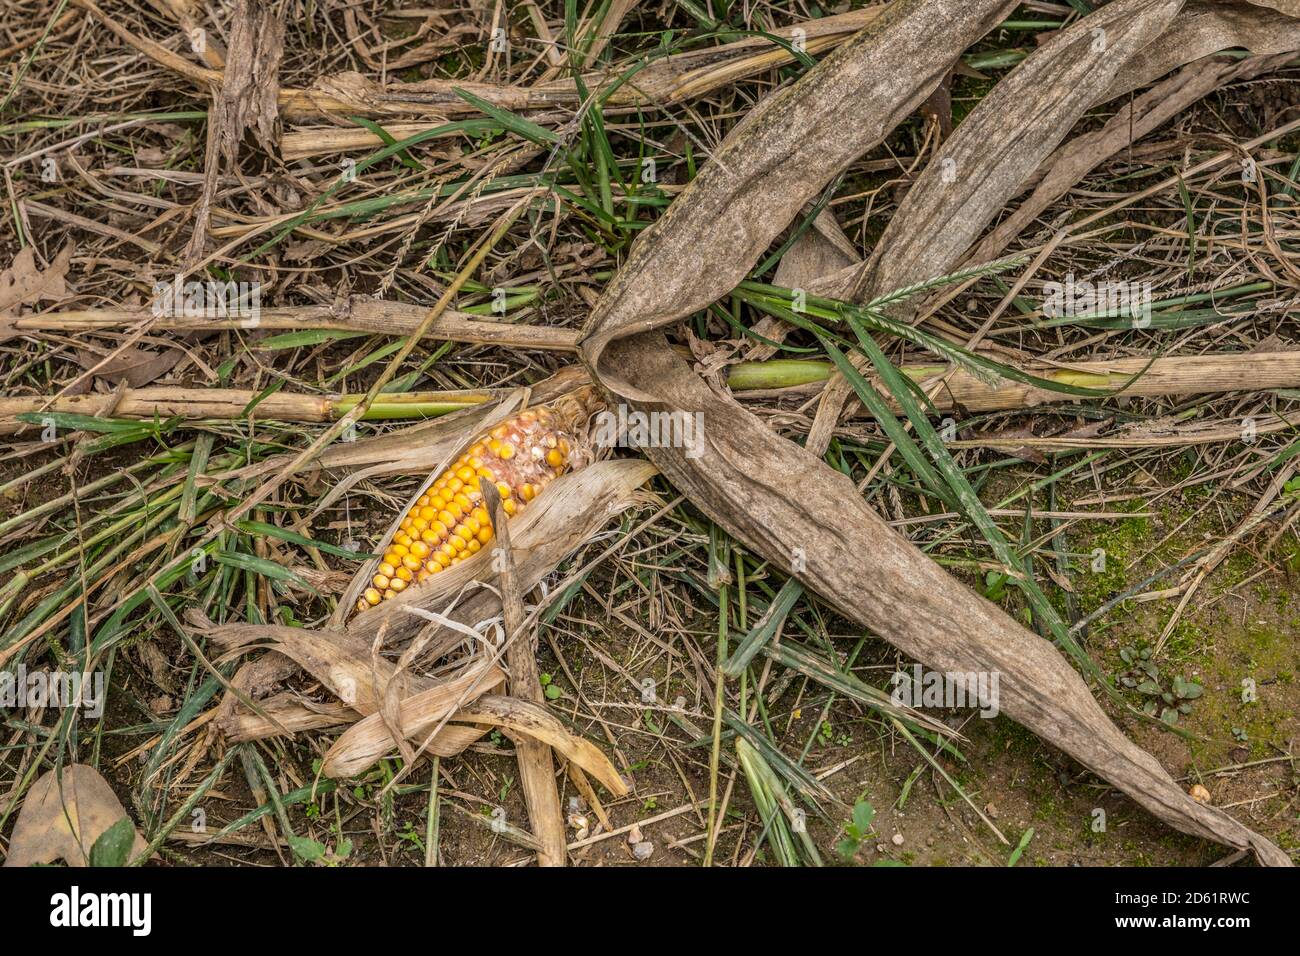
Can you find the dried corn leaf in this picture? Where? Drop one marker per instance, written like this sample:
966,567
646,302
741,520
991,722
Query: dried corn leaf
1203,28
338,660
1071,162
284,712
1289,7
1009,135
1003,140
780,156
529,719
369,740
1206,27
853,559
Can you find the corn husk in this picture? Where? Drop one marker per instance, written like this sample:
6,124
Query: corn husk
789,147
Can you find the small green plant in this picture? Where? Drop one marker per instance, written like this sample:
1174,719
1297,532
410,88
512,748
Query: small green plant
313,851
995,585
1166,698
550,688
412,835
1014,858
113,848
856,830
827,735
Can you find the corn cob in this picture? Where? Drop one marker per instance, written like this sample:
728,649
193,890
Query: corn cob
449,522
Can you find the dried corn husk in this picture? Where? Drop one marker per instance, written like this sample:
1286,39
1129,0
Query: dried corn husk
785,150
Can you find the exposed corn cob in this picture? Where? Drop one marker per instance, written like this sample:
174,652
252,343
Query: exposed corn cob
448,522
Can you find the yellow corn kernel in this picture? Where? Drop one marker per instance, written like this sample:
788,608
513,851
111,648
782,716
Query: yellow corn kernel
449,522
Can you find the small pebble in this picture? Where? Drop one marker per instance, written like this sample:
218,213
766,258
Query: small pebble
898,839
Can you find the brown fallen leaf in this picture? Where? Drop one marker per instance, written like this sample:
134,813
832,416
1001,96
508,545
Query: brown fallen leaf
62,818
25,283
136,366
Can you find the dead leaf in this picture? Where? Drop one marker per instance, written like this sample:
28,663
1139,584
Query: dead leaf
136,366
999,147
250,86
1290,7
62,819
247,98
25,283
